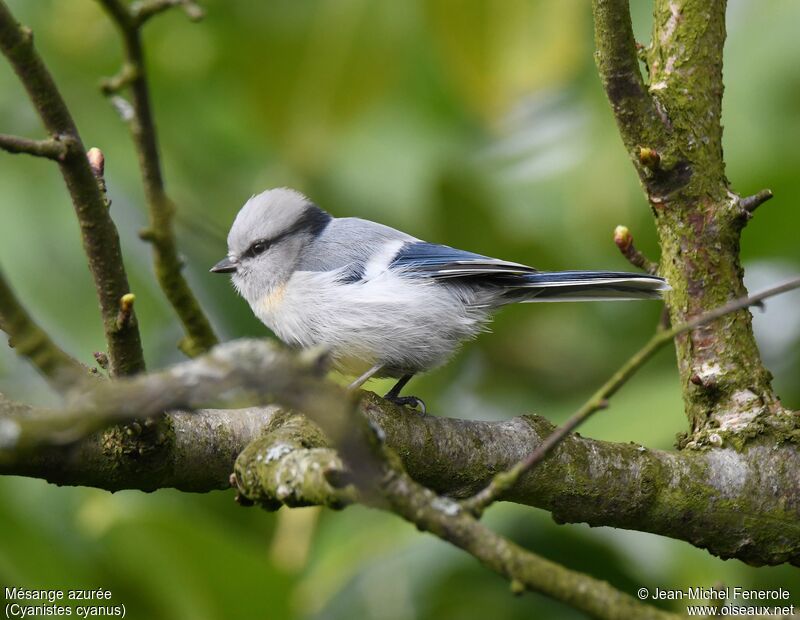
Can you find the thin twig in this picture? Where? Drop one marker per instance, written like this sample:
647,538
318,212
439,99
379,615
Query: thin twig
51,148
32,342
525,570
624,241
118,82
99,235
144,10
503,481
160,232
751,203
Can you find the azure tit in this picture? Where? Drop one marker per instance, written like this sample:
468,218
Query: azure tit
384,303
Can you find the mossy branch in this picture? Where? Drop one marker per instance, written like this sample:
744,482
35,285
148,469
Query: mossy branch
260,370
638,117
688,496
32,342
504,481
525,570
394,490
99,235
260,477
672,130
160,232
192,452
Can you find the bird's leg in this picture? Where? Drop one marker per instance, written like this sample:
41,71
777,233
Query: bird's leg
393,395
365,377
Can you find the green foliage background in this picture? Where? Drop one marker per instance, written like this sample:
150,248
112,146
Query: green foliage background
479,124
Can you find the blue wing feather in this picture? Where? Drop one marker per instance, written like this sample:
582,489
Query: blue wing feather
515,282
441,261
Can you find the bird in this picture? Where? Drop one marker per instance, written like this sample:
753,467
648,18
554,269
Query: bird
381,302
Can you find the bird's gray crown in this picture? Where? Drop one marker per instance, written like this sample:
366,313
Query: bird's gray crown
274,214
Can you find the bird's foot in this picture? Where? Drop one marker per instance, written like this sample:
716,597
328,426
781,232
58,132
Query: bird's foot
408,401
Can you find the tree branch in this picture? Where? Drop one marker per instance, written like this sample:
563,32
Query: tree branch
142,11
698,217
638,118
394,490
193,451
623,239
753,515
751,203
32,342
160,233
292,465
100,239
506,480
259,369
525,570
51,148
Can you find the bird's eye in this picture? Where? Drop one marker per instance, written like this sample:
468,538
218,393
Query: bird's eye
259,247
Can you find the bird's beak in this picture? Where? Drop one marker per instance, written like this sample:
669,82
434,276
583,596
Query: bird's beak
226,265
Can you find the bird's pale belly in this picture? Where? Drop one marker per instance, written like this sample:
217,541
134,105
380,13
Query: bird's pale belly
405,330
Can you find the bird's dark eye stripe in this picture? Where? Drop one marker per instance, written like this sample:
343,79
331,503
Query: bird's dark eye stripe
256,248
314,220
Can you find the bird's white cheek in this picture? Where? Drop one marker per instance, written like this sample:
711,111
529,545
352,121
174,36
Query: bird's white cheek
238,284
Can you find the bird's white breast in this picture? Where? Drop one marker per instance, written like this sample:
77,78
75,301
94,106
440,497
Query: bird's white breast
408,324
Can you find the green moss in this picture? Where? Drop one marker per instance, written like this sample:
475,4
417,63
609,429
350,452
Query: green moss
698,218
140,450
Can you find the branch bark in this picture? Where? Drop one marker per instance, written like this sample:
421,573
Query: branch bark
260,369
32,342
192,452
736,501
267,473
99,235
505,480
160,232
50,149
672,131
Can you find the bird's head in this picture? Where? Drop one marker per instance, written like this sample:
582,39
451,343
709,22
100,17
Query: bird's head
267,238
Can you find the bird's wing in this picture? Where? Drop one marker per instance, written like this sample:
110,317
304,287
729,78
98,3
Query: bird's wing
347,245
441,261
513,282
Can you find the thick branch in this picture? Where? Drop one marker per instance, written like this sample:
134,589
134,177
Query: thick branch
699,219
291,465
168,265
100,239
32,342
193,451
260,369
504,481
737,504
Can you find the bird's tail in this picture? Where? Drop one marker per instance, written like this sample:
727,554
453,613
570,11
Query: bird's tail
585,286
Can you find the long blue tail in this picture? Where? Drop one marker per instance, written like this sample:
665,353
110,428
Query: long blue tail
585,286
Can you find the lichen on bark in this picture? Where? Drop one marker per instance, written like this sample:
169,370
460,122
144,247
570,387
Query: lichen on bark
677,115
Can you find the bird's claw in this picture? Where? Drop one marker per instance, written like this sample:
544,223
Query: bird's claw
408,401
